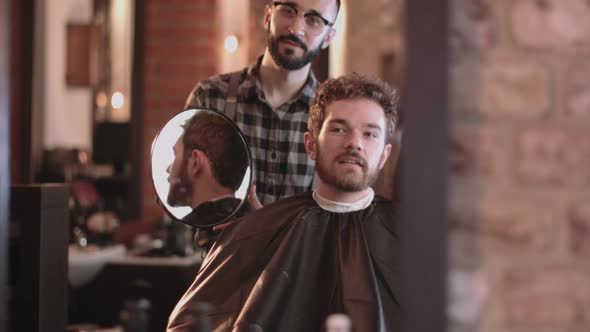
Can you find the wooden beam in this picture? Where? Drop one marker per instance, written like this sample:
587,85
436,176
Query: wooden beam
136,122
424,168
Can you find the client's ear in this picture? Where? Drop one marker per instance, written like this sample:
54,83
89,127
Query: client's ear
195,162
329,37
384,155
310,145
266,16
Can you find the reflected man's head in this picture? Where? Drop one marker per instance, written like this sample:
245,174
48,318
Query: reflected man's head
298,30
210,156
351,122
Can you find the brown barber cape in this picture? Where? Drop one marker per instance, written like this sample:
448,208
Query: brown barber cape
289,265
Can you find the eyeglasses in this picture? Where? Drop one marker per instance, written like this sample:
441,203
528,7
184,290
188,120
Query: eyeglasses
314,22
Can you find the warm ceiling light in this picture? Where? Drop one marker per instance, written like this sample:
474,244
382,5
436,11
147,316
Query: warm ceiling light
231,43
101,99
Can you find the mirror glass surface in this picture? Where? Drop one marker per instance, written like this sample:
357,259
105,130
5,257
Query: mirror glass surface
205,182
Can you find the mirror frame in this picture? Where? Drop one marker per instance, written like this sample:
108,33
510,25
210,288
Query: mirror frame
249,171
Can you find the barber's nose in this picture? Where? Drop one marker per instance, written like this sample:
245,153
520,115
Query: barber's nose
297,27
168,168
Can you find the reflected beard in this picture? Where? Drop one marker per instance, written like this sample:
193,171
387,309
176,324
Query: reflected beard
287,61
343,181
180,190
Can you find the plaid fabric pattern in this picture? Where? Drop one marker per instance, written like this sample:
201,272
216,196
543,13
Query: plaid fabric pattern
275,137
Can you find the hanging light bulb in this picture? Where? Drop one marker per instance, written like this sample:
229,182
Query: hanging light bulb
117,100
231,43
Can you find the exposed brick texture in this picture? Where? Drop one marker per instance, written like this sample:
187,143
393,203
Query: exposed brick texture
257,31
552,155
551,24
579,227
547,296
520,182
578,90
479,151
474,25
181,47
501,88
505,216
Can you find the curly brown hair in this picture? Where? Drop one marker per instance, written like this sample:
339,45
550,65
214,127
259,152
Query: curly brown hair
353,86
221,142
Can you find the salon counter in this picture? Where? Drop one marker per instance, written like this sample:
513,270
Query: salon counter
160,280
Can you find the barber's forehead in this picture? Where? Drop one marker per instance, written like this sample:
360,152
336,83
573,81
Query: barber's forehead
325,7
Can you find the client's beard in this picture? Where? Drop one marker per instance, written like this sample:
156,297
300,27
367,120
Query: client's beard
180,191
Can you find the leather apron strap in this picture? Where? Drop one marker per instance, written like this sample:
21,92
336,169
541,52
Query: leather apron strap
231,101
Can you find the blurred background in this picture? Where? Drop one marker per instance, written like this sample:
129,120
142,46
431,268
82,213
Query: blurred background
91,83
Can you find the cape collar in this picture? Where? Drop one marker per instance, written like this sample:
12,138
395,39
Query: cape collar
339,207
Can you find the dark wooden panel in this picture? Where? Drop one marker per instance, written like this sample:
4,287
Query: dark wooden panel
424,167
321,65
39,294
81,55
102,300
137,108
21,80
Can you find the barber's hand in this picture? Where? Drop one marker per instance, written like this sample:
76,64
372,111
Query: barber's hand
218,228
253,199
254,205
205,237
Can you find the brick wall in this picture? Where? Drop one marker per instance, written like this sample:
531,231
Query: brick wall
520,182
17,110
257,31
182,45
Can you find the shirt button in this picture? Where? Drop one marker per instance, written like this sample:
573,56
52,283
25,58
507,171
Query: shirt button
273,155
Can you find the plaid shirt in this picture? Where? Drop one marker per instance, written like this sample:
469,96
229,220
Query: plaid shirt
275,137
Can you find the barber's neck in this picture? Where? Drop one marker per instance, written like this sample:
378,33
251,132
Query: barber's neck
337,195
279,84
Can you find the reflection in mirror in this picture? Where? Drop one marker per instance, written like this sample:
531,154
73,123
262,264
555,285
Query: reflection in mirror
201,168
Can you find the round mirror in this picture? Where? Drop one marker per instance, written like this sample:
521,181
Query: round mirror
201,167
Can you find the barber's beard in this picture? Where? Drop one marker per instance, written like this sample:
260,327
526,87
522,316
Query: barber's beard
180,189
288,61
342,180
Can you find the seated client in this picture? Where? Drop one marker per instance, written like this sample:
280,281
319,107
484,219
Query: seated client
292,263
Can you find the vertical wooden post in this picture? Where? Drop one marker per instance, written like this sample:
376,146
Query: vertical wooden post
40,216
136,132
424,167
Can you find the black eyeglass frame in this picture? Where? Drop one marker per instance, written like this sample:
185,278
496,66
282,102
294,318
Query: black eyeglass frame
294,7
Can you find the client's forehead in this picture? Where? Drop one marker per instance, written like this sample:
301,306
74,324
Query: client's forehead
356,111
179,144
323,7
